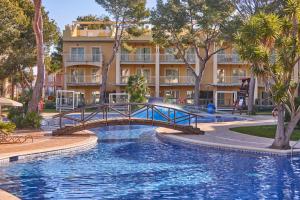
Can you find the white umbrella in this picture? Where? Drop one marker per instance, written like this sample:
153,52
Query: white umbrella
8,102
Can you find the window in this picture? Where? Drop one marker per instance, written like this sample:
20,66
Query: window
172,76
221,75
77,54
143,54
221,99
96,97
145,73
190,54
77,75
171,96
96,54
237,74
190,76
124,55
95,76
125,73
170,54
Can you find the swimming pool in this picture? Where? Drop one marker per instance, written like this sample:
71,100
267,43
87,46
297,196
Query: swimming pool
142,167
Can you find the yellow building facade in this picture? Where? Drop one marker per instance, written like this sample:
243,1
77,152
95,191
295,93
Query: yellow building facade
167,76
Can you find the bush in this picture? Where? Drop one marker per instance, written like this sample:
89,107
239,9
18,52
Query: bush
7,127
22,120
49,105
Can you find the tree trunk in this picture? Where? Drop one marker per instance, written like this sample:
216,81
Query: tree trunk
197,91
38,30
251,95
104,84
281,141
12,92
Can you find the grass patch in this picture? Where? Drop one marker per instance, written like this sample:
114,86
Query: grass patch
267,131
50,111
263,113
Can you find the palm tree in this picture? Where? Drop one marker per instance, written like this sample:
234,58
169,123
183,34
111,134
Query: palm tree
262,37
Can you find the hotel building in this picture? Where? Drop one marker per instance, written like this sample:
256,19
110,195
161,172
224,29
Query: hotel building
85,49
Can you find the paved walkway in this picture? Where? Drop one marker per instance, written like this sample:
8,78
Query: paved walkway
218,134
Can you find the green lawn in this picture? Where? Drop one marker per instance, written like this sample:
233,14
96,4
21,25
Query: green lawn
50,111
267,131
263,113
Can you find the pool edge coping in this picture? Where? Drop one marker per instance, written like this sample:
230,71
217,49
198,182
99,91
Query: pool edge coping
173,138
87,143
7,196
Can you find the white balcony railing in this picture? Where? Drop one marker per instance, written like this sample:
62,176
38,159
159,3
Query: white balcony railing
177,80
171,58
150,80
83,79
231,79
83,58
138,58
229,59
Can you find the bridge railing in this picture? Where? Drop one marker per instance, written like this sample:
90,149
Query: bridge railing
153,112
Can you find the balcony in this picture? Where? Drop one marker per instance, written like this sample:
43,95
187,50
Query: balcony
176,80
172,59
83,80
229,59
150,80
230,80
138,58
83,59
92,33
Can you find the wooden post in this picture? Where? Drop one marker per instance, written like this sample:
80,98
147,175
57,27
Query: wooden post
174,117
60,121
169,121
152,114
106,109
196,121
129,116
189,119
147,112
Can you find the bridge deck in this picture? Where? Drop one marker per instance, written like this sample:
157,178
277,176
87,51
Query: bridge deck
125,121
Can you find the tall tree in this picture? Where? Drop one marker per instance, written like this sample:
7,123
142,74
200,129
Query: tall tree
19,52
246,9
39,38
271,42
127,19
199,24
12,21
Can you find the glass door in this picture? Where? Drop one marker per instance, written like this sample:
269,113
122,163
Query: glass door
125,73
96,54
77,54
77,75
172,76
143,54
145,73
237,75
221,75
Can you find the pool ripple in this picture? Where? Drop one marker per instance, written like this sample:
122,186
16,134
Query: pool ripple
146,168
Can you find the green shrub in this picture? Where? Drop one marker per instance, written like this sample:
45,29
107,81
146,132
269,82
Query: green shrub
32,120
22,120
49,105
7,127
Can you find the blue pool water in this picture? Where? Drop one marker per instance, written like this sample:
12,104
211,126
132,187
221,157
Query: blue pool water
145,168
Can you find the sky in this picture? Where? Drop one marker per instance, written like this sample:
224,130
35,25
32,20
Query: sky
66,11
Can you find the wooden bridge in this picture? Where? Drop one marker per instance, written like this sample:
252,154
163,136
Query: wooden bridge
127,114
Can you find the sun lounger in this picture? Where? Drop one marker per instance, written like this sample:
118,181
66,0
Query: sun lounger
13,139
